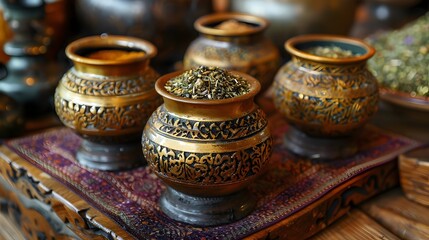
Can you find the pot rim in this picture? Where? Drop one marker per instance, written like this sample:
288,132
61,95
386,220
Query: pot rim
291,46
201,24
255,87
106,41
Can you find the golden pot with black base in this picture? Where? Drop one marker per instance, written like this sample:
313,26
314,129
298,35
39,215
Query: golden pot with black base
326,100
207,152
107,97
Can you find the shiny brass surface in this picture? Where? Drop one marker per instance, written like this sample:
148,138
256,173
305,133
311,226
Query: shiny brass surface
165,23
207,148
246,51
107,101
326,97
290,18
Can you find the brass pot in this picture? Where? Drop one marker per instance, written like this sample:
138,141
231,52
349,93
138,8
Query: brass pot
326,97
290,18
245,51
108,101
207,151
166,23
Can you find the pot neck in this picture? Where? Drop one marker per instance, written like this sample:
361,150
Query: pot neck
214,112
119,69
315,65
243,39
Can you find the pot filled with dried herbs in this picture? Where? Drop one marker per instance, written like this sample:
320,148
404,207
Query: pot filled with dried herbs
207,143
326,93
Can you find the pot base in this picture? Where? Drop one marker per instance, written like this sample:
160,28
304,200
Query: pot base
110,157
206,211
319,147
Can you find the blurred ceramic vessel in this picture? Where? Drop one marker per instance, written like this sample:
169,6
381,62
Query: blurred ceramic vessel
207,152
31,80
166,23
56,27
289,18
108,101
11,112
326,97
247,51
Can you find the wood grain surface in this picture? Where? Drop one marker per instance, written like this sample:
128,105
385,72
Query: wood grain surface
356,225
414,174
405,218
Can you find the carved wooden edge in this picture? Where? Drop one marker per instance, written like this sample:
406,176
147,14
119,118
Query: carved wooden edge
333,205
32,219
8,230
84,220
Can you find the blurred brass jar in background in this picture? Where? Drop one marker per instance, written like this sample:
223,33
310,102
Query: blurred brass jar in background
107,97
244,50
165,23
290,18
325,99
207,152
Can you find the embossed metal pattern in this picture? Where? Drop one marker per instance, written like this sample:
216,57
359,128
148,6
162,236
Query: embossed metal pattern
87,118
96,85
80,104
206,167
314,95
327,80
329,97
174,126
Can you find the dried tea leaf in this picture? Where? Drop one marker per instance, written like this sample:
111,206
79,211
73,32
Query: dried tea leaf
207,83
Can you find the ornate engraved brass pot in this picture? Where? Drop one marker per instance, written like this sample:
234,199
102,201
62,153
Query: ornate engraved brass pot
325,98
247,51
207,152
108,101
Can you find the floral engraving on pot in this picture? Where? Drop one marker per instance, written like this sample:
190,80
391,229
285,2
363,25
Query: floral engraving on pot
224,130
109,87
207,168
309,112
94,118
326,96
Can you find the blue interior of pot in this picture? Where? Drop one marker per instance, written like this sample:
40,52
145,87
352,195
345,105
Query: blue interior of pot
355,49
84,52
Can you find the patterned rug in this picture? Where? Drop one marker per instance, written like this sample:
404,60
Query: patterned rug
130,197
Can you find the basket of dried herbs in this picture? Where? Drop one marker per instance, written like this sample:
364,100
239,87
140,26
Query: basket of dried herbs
401,61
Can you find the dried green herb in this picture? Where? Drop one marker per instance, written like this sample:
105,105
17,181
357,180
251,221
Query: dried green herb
402,59
330,52
207,83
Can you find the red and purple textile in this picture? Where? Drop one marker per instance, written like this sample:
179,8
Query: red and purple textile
130,197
